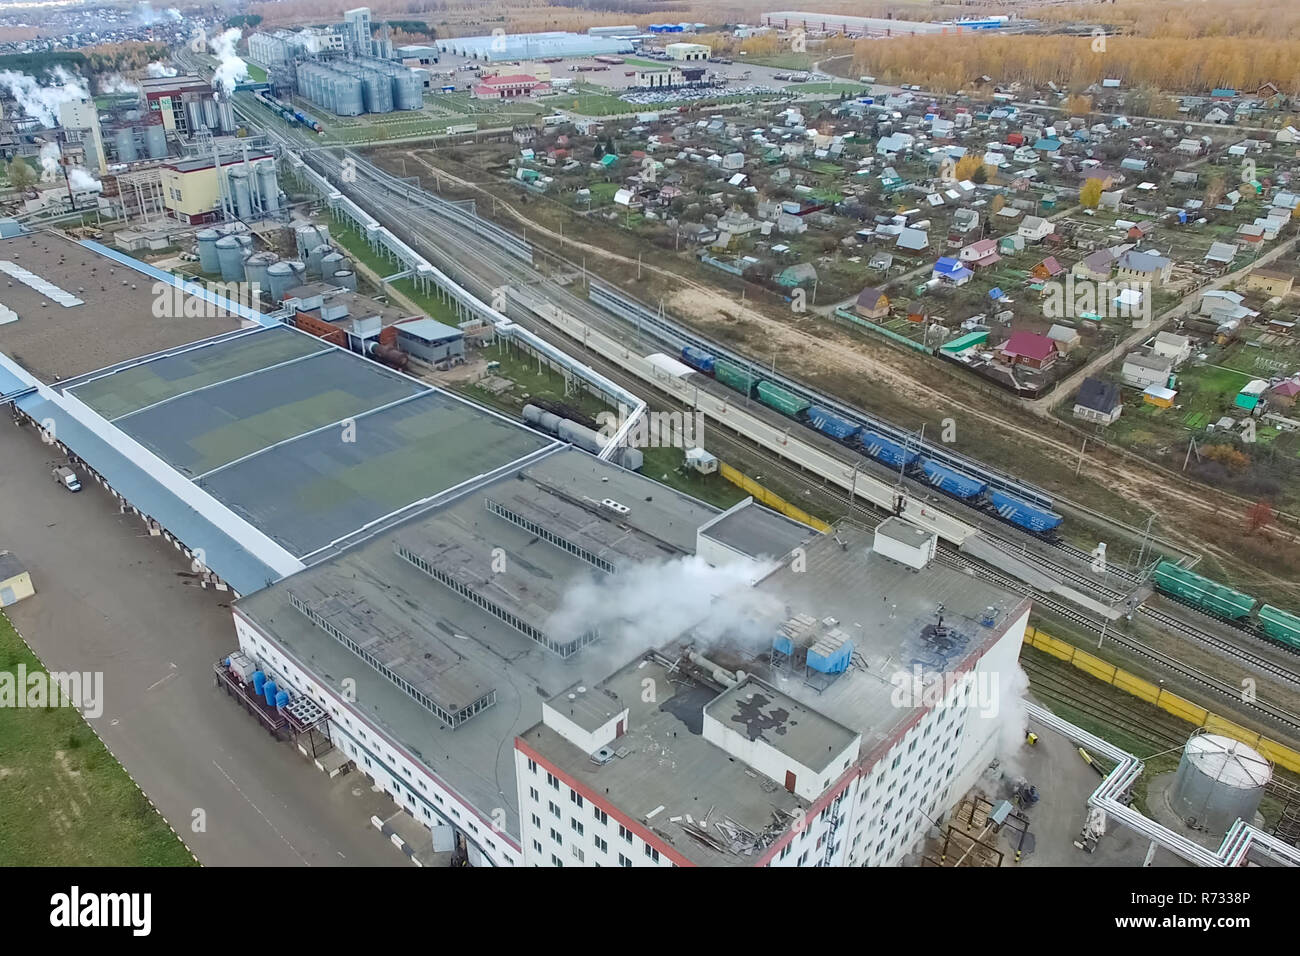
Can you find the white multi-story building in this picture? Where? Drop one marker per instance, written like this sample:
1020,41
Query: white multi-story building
432,651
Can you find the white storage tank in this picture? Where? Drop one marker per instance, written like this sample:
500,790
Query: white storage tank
268,187
256,267
155,141
345,279
238,179
1219,781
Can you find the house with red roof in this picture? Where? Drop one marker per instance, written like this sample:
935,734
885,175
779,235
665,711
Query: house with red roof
1049,268
1029,348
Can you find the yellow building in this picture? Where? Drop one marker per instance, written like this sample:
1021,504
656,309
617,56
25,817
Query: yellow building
191,192
15,582
1271,282
687,51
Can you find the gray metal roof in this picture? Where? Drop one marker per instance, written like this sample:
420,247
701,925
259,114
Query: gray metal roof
757,532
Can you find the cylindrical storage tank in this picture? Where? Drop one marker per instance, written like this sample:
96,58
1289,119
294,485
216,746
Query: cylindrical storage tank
376,92
331,263
124,140
304,238
345,279
268,187
1219,781
194,111
259,682
268,691
155,141
347,95
314,259
280,279
226,116
299,271
256,267
230,255
281,698
408,91
208,261
210,114
239,190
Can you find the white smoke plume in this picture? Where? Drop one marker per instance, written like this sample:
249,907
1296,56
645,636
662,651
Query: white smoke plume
231,69
160,69
652,604
174,14
42,102
82,181
49,159
116,83
148,16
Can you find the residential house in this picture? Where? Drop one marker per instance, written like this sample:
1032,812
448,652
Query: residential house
912,240
1096,265
980,254
802,274
1143,369
1222,303
1221,254
1272,282
1029,348
790,225
872,303
1065,337
1098,401
951,272
1177,348
1049,268
1284,394
1034,229
1144,267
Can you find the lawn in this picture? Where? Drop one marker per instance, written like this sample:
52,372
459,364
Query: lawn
256,73
594,104
66,801
782,61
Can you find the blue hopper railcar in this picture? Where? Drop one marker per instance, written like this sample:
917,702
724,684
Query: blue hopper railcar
831,424
1024,515
885,451
953,482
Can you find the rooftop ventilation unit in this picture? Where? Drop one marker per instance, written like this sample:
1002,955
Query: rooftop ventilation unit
611,505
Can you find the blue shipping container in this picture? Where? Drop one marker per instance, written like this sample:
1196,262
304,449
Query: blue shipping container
831,424
953,482
886,451
1024,515
697,358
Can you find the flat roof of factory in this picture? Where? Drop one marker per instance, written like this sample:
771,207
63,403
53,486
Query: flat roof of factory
889,611
116,321
757,531
666,765
306,441
399,613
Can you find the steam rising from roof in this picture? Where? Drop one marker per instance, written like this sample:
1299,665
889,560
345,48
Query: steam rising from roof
42,102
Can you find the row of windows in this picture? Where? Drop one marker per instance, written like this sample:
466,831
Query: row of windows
565,649
452,720
546,535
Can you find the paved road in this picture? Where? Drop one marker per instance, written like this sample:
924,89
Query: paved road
110,598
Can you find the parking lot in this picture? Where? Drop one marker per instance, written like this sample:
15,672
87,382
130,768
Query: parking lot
110,598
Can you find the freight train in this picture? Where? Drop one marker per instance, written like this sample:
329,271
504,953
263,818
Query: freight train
288,113
1219,600
973,491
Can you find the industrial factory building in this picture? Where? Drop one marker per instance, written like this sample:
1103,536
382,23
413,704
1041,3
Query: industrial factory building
534,46
186,105
836,23
687,51
279,48
193,191
448,626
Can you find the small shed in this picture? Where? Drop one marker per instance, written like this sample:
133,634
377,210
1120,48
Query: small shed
1159,396
15,580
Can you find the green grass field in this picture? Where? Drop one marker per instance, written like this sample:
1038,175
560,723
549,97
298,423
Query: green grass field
65,800
256,73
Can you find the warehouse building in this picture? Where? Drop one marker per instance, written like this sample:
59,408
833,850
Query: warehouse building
687,51
431,341
254,448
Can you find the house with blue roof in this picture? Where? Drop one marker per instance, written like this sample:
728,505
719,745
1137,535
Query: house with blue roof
950,271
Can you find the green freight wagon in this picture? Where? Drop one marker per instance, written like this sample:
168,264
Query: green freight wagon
783,401
1201,592
1280,625
734,376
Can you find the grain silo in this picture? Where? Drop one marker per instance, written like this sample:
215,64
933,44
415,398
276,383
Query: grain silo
281,278
268,187
256,269
1219,781
238,179
408,90
345,279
